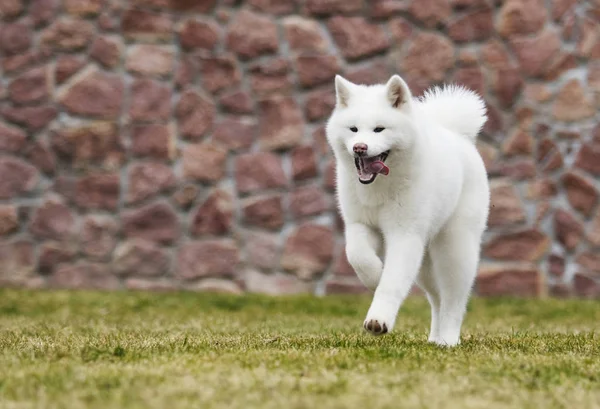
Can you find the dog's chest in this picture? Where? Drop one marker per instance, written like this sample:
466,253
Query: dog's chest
378,208
371,212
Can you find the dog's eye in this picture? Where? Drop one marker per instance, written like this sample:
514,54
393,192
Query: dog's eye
378,129
354,129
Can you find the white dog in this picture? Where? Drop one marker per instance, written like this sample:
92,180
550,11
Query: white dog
413,191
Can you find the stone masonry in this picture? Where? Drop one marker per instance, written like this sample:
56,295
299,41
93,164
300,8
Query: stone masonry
179,144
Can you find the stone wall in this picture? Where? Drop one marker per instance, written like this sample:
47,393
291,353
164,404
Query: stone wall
159,144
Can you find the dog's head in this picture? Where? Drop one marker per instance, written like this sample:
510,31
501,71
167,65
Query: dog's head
371,123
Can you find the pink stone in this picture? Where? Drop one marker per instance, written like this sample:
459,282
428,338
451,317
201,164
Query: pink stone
263,211
99,236
251,34
18,178
83,275
309,201
98,191
214,216
308,251
356,37
210,258
151,60
258,171
147,180
139,257
154,222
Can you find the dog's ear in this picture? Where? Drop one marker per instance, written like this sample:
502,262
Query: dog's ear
342,90
397,92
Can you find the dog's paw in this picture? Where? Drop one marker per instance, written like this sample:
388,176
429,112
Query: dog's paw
381,316
375,327
444,343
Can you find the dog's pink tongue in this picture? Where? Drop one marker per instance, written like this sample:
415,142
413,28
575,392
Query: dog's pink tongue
378,167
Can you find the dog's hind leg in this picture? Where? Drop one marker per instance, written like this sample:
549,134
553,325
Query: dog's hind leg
362,245
426,281
455,255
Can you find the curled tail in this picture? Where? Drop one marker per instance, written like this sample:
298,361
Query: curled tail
455,108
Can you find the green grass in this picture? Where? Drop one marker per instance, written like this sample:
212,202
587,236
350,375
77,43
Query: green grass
135,350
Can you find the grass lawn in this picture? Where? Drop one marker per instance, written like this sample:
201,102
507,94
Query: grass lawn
137,350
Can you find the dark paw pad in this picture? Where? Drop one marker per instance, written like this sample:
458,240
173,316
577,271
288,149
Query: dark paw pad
376,328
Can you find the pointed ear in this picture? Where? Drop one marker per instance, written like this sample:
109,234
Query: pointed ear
342,90
397,91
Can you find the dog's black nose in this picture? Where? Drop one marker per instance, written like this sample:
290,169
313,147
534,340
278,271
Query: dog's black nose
360,148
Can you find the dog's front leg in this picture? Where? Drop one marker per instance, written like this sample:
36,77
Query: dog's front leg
404,253
362,245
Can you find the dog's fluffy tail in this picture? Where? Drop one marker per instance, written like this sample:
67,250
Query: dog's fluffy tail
455,108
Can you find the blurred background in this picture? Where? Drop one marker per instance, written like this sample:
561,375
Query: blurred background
165,144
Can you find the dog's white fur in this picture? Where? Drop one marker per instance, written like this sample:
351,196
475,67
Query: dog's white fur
427,217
